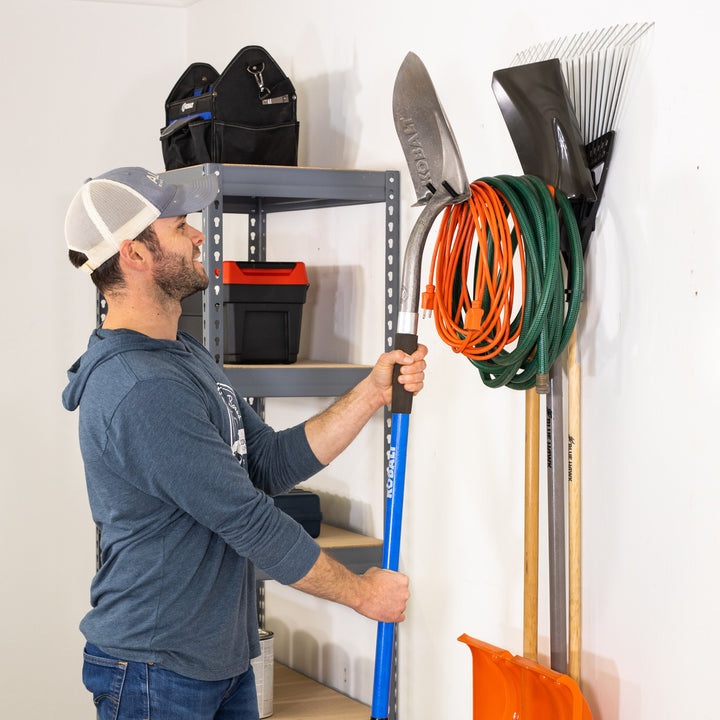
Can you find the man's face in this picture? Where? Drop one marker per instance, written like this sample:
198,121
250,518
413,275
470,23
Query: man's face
177,270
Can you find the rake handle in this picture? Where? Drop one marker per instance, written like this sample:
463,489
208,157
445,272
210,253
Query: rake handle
532,489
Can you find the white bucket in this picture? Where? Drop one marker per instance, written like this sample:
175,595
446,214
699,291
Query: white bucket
263,669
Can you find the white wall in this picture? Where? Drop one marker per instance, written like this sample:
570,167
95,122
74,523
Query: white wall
648,346
85,89
649,343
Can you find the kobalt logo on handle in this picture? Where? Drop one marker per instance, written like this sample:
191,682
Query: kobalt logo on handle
413,140
391,474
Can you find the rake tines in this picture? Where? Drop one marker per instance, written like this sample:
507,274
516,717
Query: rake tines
596,66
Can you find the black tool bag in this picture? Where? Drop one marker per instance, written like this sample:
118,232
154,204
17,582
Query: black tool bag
245,115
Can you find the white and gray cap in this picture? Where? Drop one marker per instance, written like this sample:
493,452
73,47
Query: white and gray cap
119,204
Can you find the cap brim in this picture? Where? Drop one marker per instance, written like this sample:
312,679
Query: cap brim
192,197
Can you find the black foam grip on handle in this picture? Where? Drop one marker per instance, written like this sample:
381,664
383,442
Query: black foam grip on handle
401,398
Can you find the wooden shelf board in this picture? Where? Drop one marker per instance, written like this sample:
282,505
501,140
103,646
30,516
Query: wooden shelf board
334,537
297,697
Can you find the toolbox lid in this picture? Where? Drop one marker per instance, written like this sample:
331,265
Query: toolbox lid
264,273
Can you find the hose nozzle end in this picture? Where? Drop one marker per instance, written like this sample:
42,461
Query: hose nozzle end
542,383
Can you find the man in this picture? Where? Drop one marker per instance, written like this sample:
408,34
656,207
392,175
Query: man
179,471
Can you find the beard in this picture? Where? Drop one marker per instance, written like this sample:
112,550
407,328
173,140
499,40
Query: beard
177,278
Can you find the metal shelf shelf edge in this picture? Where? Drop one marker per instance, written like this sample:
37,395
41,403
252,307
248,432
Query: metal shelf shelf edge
294,381
284,188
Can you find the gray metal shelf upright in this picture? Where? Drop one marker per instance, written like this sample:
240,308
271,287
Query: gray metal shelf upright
257,190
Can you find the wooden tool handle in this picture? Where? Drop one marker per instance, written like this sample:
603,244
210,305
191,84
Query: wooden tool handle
532,486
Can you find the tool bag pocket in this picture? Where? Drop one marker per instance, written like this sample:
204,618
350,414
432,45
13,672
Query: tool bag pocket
245,115
257,145
189,144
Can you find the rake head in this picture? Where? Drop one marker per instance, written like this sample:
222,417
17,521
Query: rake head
596,66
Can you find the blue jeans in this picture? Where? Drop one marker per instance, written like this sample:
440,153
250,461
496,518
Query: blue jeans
139,691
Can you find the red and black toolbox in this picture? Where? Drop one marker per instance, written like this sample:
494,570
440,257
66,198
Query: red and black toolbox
262,311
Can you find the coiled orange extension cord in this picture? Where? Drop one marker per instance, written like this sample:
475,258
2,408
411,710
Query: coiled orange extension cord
463,325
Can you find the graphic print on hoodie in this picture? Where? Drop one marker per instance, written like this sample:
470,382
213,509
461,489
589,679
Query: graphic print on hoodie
237,431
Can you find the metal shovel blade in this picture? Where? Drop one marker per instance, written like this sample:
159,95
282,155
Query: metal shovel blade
538,112
425,135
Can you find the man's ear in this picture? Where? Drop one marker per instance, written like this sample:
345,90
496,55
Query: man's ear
134,254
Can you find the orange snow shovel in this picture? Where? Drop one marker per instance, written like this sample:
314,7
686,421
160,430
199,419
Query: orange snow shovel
507,687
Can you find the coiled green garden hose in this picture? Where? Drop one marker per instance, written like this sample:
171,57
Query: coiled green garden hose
516,221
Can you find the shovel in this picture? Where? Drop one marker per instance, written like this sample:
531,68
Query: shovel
439,179
538,112
510,687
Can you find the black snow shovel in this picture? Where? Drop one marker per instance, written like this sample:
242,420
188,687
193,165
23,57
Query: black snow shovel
439,178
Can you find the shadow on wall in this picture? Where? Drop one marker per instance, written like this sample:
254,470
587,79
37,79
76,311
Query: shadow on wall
331,315
329,121
343,512
329,663
600,680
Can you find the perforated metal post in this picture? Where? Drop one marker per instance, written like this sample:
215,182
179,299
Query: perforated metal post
212,298
392,288
257,232
392,276
257,252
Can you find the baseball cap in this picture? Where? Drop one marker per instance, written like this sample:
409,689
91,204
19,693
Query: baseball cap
119,204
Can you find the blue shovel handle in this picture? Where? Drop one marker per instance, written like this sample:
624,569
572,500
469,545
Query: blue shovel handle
395,491
391,556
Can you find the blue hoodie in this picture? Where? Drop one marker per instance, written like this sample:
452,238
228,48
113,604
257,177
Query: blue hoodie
178,472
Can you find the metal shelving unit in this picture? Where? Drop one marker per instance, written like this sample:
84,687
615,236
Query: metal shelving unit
258,190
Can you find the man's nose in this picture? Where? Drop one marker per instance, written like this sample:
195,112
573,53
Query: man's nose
198,238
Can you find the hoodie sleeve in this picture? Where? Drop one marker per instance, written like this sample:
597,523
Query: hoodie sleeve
163,441
277,461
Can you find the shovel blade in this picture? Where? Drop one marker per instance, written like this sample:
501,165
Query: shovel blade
507,686
425,135
538,112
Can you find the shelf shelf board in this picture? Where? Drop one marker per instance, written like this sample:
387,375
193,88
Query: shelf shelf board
305,378
297,697
356,552
283,188
332,537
